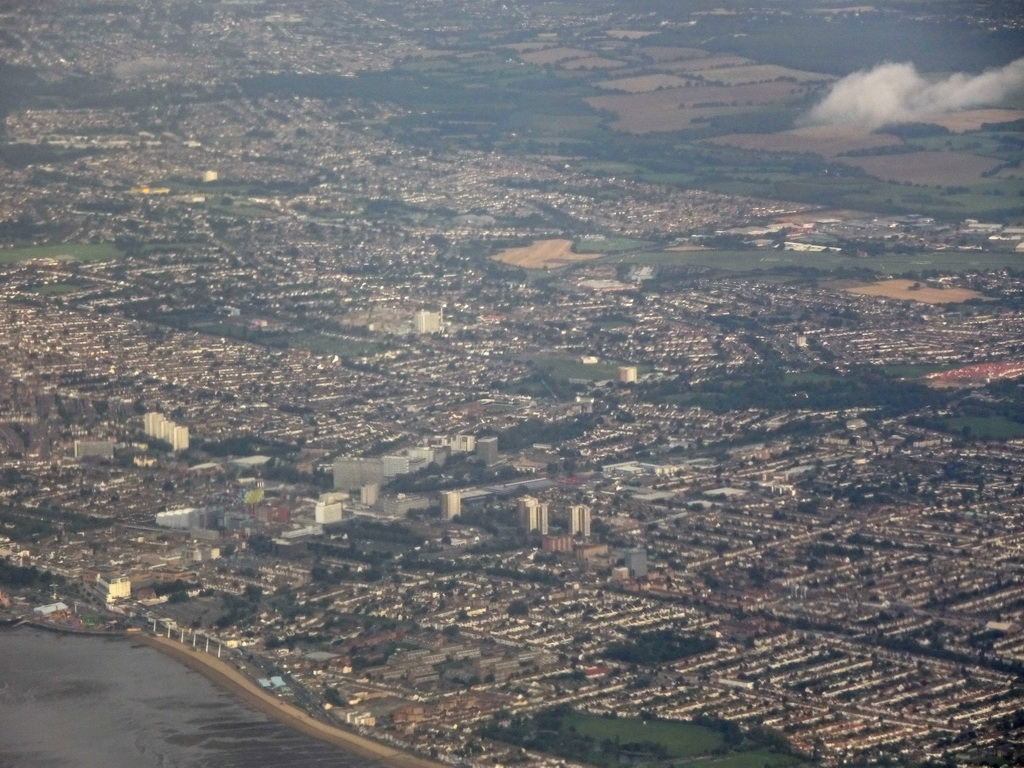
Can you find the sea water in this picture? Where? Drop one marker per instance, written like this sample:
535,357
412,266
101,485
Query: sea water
93,702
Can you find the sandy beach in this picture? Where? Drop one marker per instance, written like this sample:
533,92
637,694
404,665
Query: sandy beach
227,677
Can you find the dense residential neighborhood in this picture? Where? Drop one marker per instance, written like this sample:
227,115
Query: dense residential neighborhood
483,436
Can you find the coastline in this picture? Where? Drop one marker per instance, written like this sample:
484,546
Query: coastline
234,682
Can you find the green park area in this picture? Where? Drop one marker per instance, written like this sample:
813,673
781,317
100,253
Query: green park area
747,260
609,741
568,369
679,739
608,245
984,427
912,371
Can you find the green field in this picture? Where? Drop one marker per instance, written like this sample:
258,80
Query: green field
757,758
69,252
565,369
685,744
608,244
55,289
887,264
915,371
680,739
806,377
984,427
331,345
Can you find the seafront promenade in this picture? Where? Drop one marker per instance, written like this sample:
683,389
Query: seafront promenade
223,674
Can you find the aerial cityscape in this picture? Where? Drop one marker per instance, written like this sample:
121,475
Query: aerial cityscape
524,383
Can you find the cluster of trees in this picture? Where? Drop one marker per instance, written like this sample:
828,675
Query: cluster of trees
659,646
176,591
26,578
240,610
533,431
768,389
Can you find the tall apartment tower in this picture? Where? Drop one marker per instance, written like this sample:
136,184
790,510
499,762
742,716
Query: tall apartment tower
579,520
462,443
533,515
152,423
487,450
158,426
636,562
179,438
451,505
369,494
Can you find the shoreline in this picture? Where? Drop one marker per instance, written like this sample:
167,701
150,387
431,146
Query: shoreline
226,677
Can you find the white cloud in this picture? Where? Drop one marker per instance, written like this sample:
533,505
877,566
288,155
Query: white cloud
896,93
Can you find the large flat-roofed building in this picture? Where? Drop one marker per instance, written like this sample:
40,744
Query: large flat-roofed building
179,519
462,443
327,512
94,449
353,472
428,322
113,588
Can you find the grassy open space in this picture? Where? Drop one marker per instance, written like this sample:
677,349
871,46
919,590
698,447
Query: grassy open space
886,264
565,369
915,371
685,744
680,739
69,252
55,289
985,427
757,758
608,244
806,377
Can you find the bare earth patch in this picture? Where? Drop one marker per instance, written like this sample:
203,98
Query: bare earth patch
825,140
973,119
555,55
593,62
543,254
929,168
629,34
905,291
